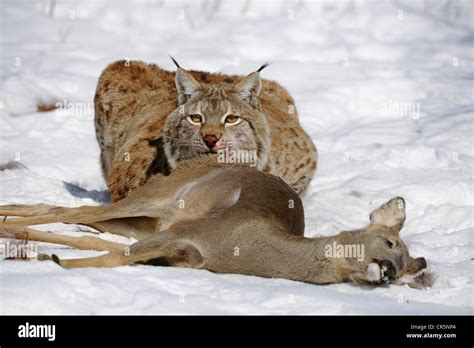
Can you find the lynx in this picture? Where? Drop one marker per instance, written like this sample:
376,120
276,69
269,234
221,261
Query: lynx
227,219
148,120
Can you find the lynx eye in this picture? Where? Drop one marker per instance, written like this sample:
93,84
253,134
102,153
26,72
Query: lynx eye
232,119
195,119
389,244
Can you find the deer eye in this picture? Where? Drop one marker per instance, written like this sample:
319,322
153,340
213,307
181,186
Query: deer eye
195,119
389,243
232,119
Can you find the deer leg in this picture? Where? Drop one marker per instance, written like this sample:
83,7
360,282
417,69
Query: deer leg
181,253
83,242
131,206
80,215
25,209
134,227
112,259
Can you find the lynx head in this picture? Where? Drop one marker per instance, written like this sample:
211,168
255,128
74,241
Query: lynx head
216,117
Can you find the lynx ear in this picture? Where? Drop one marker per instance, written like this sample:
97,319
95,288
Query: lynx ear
186,85
249,87
390,214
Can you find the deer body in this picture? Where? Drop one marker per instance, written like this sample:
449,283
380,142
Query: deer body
227,219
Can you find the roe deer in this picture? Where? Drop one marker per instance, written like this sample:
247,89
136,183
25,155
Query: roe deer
227,219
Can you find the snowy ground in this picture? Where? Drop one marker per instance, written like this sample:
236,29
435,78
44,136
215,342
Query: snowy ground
385,89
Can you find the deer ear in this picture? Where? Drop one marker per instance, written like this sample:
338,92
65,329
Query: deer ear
249,87
390,214
186,85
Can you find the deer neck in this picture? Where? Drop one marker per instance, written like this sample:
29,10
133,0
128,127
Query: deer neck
311,260
316,260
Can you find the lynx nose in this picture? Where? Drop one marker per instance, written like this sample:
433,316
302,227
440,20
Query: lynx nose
210,140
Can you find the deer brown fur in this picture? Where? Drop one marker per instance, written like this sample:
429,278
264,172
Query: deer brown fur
227,219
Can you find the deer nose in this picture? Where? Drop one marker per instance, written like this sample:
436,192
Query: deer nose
390,272
210,140
422,262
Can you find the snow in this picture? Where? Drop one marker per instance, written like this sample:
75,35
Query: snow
383,87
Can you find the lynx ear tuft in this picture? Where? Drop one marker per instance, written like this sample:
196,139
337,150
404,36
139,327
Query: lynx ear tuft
251,85
263,66
390,214
186,85
174,61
